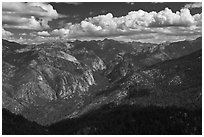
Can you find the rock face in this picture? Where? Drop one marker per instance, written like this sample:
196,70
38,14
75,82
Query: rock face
37,77
54,81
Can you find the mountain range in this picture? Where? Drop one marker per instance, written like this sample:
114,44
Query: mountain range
64,83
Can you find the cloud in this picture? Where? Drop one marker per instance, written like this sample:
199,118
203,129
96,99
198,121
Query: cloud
42,39
12,21
11,37
60,32
193,5
74,3
43,33
31,15
135,23
131,3
6,34
161,19
36,40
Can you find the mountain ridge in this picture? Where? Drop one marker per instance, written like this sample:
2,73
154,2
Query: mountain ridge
69,81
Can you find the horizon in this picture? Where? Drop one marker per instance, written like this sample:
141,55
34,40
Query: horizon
103,40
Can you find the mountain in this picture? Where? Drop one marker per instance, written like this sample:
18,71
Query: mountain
46,76
55,81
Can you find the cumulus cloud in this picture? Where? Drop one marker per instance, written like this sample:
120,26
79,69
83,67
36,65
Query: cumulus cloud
60,32
193,5
161,19
135,23
6,34
31,15
43,33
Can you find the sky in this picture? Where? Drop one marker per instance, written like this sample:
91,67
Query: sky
154,22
